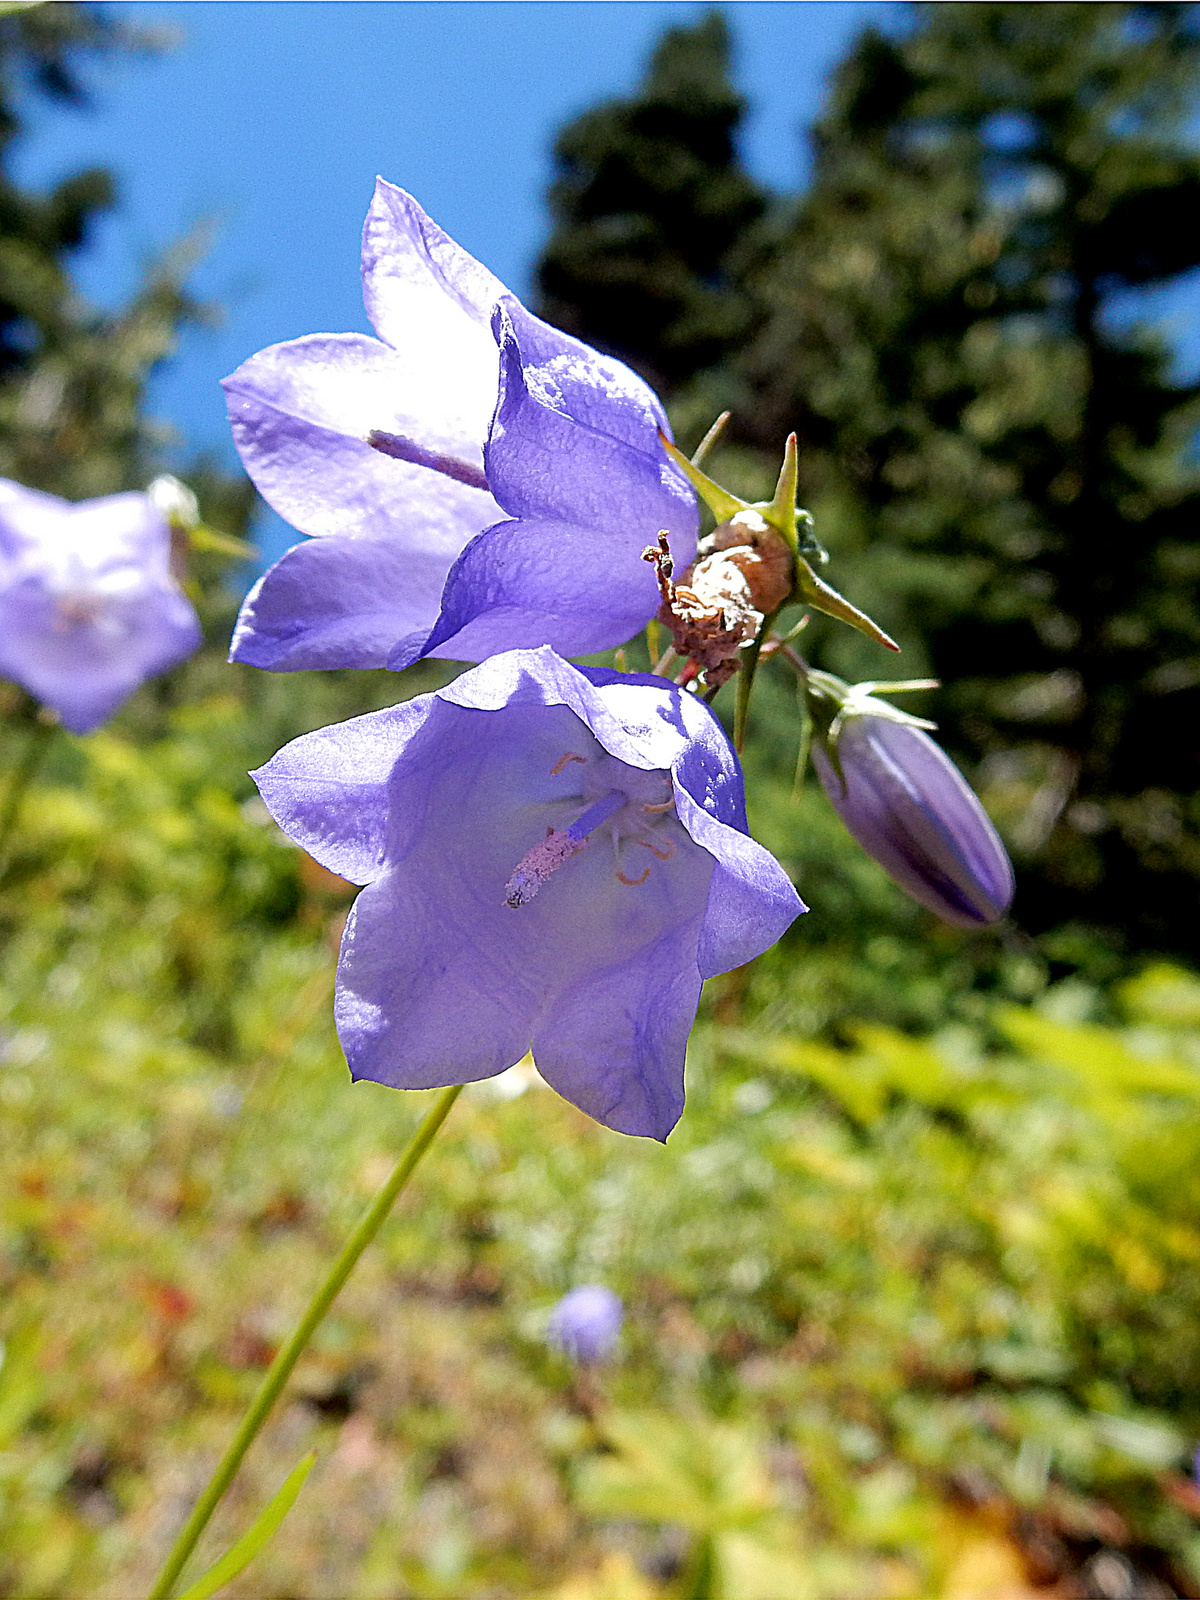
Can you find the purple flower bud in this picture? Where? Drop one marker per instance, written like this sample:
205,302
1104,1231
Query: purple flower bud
88,606
473,479
555,859
585,1324
910,808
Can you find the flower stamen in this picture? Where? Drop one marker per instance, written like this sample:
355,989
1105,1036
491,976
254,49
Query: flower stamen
563,760
633,882
665,805
663,855
559,845
401,448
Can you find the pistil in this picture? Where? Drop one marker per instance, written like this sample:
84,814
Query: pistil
401,448
559,845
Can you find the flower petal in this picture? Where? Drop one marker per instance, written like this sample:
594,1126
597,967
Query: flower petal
432,302
337,602
300,413
86,669
614,1042
328,790
575,440
550,582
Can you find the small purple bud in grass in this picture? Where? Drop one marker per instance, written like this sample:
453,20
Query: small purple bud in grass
473,480
88,607
555,859
910,808
586,1323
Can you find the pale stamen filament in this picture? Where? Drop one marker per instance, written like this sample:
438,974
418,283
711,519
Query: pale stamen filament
665,805
663,855
562,761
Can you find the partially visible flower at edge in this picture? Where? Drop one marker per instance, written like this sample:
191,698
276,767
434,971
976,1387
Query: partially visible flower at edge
473,479
911,809
586,1323
555,859
88,607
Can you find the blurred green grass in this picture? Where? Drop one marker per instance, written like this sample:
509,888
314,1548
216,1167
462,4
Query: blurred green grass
914,1277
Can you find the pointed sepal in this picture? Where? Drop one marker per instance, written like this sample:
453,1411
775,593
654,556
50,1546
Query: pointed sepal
723,505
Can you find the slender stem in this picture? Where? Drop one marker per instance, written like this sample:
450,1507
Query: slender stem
281,1368
745,681
665,662
40,735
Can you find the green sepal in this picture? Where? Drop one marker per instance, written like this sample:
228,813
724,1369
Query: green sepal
257,1535
813,591
723,505
202,537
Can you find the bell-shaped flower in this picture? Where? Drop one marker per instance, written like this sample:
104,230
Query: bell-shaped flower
910,807
473,479
554,858
586,1323
88,606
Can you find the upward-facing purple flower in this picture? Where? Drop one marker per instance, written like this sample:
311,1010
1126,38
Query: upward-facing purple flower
554,858
88,606
474,480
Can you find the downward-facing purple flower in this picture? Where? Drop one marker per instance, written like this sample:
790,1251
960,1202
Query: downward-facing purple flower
586,1323
474,480
88,606
910,808
554,858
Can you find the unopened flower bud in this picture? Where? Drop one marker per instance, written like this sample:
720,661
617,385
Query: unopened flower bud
585,1324
911,809
174,500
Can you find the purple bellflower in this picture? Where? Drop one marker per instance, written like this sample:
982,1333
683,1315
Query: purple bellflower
88,606
586,1323
910,807
554,859
474,480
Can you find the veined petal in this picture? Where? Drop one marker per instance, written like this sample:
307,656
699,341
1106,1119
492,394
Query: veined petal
575,589
300,413
614,1043
575,440
432,302
328,789
338,602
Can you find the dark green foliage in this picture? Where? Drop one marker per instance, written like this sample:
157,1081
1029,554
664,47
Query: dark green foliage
1006,475
651,209
71,378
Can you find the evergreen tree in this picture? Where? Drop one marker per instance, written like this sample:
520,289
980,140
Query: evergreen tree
651,209
71,377
1010,473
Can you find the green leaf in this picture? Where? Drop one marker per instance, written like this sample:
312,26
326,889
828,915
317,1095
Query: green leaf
259,1533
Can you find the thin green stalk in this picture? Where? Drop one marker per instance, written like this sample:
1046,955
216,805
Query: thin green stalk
744,682
281,1368
40,735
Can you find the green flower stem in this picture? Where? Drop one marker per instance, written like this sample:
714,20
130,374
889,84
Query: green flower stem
285,1361
40,735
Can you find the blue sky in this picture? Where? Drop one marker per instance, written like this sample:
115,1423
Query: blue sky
269,121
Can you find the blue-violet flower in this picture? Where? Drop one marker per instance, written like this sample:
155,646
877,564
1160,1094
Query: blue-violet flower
88,606
474,479
555,858
586,1323
910,808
